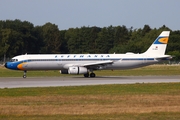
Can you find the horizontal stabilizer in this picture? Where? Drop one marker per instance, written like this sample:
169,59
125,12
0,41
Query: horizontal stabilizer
165,57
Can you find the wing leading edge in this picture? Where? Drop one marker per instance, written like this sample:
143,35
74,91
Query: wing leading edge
97,65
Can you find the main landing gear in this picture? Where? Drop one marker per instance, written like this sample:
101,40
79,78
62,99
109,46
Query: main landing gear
91,75
24,76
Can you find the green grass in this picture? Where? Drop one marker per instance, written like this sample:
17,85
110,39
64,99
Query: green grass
25,102
149,70
163,88
100,102
151,116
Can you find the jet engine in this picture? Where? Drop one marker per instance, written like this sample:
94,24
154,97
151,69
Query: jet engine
64,71
75,70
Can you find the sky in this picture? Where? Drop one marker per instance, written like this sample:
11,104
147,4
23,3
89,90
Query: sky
101,13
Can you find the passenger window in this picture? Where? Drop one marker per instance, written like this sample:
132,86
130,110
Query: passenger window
12,60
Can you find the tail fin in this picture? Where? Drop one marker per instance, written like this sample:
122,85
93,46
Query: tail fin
159,45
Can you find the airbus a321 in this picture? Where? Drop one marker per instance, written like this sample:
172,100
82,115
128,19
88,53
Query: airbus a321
87,63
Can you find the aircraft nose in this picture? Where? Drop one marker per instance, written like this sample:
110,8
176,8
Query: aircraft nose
11,65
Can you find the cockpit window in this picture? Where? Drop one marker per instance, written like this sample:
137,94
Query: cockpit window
14,60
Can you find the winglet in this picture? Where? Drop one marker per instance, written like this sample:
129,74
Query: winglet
159,45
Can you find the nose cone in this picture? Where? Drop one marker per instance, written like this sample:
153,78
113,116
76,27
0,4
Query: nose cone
12,65
8,65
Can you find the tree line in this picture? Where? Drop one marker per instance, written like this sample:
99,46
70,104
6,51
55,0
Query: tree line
19,37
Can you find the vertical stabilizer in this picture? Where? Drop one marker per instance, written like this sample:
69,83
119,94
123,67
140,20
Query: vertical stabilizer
159,45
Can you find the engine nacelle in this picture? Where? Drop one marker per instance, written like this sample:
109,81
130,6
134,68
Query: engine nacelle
64,71
77,70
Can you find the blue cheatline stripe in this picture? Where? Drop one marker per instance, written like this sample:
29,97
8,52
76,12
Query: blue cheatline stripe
138,59
51,60
90,59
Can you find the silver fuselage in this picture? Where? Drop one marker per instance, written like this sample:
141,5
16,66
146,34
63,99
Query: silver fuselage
59,62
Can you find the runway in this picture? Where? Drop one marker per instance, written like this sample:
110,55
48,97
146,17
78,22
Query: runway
15,82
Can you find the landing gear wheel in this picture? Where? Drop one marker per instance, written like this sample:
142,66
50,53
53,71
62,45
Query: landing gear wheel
24,76
92,75
86,75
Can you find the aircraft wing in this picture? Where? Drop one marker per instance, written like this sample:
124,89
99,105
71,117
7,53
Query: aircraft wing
97,63
91,65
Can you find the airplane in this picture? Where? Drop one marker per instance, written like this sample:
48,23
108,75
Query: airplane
87,63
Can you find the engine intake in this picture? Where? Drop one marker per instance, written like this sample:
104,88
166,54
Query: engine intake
64,71
77,70
74,70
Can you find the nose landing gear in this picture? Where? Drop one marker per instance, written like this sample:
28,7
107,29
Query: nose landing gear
24,76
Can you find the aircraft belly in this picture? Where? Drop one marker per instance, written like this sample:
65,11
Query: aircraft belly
43,65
